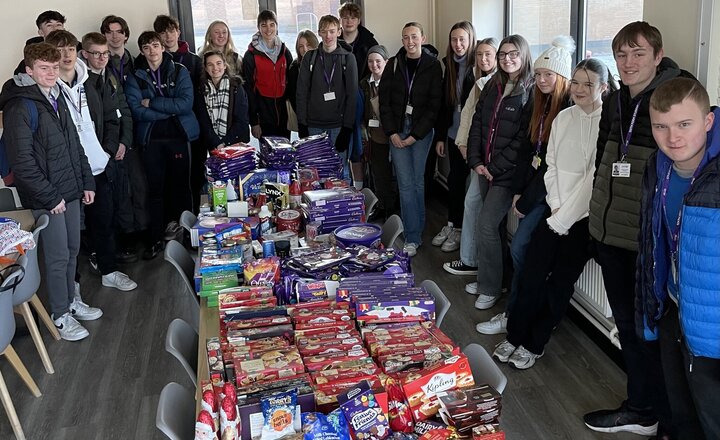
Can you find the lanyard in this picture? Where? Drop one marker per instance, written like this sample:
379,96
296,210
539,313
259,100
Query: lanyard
675,233
410,81
328,79
78,107
119,73
53,101
157,80
538,144
626,138
493,124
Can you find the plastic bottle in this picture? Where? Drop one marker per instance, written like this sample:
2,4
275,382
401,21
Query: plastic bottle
295,194
230,190
265,220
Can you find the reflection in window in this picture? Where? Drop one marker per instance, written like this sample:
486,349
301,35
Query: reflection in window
539,21
605,18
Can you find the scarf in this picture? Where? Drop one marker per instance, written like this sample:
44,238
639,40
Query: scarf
217,101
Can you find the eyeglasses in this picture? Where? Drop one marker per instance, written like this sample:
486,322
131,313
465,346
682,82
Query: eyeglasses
98,55
512,54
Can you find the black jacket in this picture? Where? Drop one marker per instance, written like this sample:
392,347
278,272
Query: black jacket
511,129
426,96
191,61
360,47
292,78
445,118
50,165
104,112
238,129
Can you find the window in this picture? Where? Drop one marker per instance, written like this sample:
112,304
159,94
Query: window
604,19
540,21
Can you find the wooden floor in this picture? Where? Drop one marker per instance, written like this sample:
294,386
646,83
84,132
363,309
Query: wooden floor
107,386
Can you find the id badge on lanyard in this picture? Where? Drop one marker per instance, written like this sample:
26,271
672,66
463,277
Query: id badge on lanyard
622,168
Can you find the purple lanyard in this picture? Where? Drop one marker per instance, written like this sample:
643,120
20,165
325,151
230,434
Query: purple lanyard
157,80
119,73
54,102
410,81
675,233
493,124
625,140
538,144
328,79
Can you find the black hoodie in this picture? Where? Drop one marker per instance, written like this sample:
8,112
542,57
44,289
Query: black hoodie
360,47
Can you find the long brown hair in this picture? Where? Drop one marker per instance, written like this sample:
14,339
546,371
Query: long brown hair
452,66
554,102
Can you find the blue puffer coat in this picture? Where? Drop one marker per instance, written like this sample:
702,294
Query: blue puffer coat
699,253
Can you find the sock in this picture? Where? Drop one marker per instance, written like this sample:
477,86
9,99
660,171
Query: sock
358,184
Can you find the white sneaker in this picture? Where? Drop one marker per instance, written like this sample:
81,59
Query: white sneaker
471,288
503,351
69,329
442,235
118,280
484,302
84,312
453,241
496,325
522,358
410,249
77,292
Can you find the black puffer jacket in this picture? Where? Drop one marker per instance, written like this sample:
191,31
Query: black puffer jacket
510,129
360,47
50,165
426,96
615,202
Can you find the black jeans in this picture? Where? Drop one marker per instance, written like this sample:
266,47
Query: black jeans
100,222
382,174
167,166
457,183
547,282
645,384
199,154
694,395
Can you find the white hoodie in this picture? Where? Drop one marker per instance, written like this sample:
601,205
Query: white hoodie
77,103
571,165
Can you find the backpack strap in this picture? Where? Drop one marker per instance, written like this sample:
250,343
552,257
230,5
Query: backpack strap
33,112
313,55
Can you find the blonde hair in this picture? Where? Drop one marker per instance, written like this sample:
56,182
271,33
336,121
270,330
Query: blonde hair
229,50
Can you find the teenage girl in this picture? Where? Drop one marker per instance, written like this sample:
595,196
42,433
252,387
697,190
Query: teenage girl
218,38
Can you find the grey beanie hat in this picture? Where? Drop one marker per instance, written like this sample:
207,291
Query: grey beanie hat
380,50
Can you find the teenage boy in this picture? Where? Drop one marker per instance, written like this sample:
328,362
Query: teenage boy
327,89
160,95
624,144
95,116
356,35
117,32
265,65
678,274
46,22
52,175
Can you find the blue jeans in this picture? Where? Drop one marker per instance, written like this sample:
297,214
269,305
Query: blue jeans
409,163
520,241
333,134
496,203
468,235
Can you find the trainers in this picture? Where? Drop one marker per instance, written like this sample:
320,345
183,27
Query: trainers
69,329
471,288
503,351
496,325
410,249
172,230
153,250
484,302
621,419
92,259
522,358
84,312
457,267
77,292
453,241
118,280
442,235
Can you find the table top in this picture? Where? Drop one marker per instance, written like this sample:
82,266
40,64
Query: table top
209,327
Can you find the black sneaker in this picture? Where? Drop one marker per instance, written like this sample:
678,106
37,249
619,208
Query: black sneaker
126,257
622,419
153,250
92,259
457,267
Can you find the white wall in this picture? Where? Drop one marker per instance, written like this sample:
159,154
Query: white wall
385,19
488,17
83,16
677,21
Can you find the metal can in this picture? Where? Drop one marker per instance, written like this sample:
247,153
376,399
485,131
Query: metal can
268,248
289,220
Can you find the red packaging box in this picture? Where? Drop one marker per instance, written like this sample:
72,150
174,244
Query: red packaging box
321,316
232,297
442,338
488,432
418,359
272,365
265,321
421,387
331,346
326,337
337,326
330,361
400,345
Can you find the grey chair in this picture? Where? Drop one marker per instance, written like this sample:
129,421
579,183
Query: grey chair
7,200
181,341
391,230
7,332
370,201
175,415
484,368
188,220
442,303
26,294
179,257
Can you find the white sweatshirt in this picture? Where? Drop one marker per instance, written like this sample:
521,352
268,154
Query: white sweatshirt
571,165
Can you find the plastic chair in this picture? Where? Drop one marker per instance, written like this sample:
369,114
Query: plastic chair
181,341
484,369
7,332
175,415
442,303
391,230
179,257
7,200
188,220
370,201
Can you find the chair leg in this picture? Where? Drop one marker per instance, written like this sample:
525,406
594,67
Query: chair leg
43,315
37,339
22,371
10,410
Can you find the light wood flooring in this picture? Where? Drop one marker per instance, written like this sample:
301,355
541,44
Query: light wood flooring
107,386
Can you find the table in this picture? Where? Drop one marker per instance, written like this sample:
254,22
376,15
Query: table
209,327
